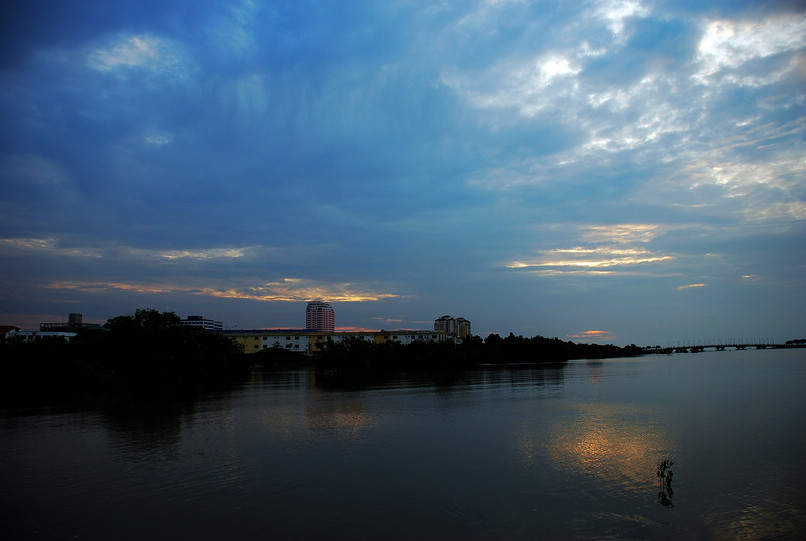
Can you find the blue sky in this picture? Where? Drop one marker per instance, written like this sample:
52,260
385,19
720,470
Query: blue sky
625,172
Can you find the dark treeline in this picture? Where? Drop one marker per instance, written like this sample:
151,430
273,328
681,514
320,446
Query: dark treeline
151,354
277,358
147,354
356,356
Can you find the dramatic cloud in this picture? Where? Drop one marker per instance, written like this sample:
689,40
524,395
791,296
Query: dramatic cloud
726,45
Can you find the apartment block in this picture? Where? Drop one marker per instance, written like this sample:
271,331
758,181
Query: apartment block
201,322
308,342
455,327
319,316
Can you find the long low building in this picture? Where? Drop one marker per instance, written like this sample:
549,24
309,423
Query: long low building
308,342
33,336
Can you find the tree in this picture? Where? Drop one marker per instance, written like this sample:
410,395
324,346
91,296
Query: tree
146,318
148,354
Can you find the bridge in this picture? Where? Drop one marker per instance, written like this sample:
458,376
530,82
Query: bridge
691,348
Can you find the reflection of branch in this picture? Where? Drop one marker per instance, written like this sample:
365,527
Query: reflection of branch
665,475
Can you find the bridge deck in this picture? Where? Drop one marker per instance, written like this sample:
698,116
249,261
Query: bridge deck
718,347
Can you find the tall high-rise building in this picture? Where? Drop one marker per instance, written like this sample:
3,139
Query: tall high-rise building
446,324
319,316
456,327
462,327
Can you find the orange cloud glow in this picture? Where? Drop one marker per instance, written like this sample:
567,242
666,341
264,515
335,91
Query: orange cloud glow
288,290
356,329
592,263
88,287
619,233
594,335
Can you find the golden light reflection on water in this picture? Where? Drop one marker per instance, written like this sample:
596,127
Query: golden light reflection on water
526,447
765,519
283,421
342,419
617,443
347,418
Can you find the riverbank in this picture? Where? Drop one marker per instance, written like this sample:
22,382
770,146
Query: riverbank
352,357
141,356
150,355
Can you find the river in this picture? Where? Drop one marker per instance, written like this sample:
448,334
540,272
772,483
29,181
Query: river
521,452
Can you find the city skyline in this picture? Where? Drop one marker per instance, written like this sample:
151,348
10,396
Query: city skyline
314,321
613,172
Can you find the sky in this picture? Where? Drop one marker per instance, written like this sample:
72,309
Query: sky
598,171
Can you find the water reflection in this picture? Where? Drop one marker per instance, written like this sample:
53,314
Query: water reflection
147,427
521,374
526,446
617,443
289,379
347,418
765,519
595,371
502,453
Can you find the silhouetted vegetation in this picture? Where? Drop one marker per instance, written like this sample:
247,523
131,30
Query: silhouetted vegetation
278,358
146,354
517,349
356,356
665,492
150,353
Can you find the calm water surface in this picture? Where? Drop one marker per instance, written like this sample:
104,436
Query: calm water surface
564,452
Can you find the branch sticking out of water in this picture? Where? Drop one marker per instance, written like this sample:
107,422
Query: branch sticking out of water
665,474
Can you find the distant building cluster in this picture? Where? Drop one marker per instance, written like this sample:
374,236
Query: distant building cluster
456,327
33,336
320,323
75,323
67,330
